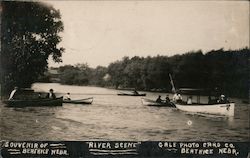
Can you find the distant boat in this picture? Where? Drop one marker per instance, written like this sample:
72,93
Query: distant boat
131,94
80,101
34,102
150,102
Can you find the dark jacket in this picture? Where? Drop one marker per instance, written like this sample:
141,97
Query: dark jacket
53,96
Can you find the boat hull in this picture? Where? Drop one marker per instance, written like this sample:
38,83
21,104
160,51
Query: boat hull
125,94
34,102
149,102
226,109
80,101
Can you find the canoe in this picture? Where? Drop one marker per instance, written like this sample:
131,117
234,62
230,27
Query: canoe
34,102
131,94
226,109
150,102
80,101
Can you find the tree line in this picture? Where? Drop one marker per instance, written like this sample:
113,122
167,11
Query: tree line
226,70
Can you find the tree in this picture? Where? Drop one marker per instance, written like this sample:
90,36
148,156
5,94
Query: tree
29,36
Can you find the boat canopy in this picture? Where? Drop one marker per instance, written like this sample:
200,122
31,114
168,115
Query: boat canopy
198,91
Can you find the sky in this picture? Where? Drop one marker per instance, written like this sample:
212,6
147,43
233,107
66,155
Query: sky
101,32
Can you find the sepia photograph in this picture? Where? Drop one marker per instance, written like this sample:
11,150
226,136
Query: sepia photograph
120,74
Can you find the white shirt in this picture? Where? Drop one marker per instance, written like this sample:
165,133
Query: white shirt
189,101
179,97
66,97
175,97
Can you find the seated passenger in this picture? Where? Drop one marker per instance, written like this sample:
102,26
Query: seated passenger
158,100
223,99
51,94
67,96
179,98
167,99
189,101
175,97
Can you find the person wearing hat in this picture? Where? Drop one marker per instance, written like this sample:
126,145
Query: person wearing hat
222,99
51,94
13,92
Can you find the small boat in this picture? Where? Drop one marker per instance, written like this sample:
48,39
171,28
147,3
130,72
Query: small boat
132,94
80,101
150,102
34,102
226,109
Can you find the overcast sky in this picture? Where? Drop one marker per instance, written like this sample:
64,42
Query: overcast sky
100,32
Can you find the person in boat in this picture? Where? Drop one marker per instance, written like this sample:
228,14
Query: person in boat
67,96
189,101
175,97
13,92
223,99
159,100
167,99
51,94
179,98
39,95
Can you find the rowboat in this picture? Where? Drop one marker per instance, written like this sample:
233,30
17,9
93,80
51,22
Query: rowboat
131,94
226,109
80,101
150,102
34,102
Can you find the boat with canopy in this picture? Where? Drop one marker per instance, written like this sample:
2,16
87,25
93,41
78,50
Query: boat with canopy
214,106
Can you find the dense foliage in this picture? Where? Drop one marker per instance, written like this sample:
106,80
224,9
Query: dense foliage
226,70
29,35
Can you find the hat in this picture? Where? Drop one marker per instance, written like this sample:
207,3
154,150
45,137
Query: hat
222,96
51,90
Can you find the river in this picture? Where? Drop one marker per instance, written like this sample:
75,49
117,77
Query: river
113,117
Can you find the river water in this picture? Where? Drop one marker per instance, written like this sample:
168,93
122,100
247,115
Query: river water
113,117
